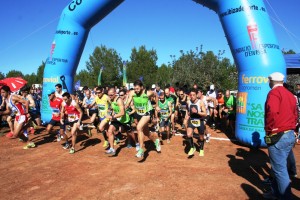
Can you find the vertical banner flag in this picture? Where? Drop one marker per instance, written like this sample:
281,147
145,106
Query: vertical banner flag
99,76
124,74
77,85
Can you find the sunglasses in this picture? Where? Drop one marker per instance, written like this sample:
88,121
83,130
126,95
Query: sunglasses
180,94
121,95
110,95
98,92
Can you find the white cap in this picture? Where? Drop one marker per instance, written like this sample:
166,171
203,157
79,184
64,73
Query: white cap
276,76
153,86
212,87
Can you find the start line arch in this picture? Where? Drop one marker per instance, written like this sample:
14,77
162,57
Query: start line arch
249,33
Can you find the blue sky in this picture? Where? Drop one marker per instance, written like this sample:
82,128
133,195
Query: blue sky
168,26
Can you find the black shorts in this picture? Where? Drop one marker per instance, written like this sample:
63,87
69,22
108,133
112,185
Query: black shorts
93,111
139,117
34,114
117,125
164,123
57,123
74,122
200,128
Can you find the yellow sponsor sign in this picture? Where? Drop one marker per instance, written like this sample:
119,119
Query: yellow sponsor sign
254,79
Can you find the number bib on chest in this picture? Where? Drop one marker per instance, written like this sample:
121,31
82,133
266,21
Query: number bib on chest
72,117
55,112
141,110
195,122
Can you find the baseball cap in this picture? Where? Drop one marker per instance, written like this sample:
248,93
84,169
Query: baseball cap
212,87
276,76
51,91
153,86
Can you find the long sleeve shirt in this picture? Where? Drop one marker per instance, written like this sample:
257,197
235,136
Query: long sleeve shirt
280,111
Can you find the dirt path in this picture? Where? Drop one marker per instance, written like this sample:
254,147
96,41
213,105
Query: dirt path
227,171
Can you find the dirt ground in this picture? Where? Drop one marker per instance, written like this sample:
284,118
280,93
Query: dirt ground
227,171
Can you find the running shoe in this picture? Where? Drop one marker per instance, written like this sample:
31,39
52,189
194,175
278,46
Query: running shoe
207,139
168,141
31,130
137,147
10,135
66,146
105,144
157,145
140,153
29,145
58,138
110,151
183,126
72,150
192,151
201,153
129,146
90,133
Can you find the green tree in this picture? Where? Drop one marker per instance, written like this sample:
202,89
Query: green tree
289,52
142,64
31,79
112,62
85,80
2,75
40,73
14,73
164,75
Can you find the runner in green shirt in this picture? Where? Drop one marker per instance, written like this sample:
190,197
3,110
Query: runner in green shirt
142,105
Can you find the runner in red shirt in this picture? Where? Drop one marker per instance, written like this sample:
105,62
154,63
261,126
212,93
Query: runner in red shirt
74,113
55,105
18,105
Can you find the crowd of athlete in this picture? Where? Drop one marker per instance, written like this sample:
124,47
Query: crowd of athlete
134,113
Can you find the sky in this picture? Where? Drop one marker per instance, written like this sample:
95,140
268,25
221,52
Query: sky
167,26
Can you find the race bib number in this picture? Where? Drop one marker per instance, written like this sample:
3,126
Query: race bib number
164,113
101,107
55,112
195,122
140,110
71,117
183,107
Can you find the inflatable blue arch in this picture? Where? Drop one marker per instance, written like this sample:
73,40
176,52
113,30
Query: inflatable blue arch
247,28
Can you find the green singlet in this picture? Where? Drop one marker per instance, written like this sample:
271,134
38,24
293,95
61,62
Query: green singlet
125,118
164,109
141,103
170,99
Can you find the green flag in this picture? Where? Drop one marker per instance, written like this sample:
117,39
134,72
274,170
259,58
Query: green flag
124,74
99,76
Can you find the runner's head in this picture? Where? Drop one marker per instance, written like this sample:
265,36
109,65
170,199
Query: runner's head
25,90
67,97
227,93
167,92
193,94
181,93
99,91
200,93
111,93
88,93
138,86
58,88
122,94
5,91
51,94
162,97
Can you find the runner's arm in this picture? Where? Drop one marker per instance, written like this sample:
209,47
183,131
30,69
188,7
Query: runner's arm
129,99
202,112
122,109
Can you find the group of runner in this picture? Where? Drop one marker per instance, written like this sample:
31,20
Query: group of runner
138,112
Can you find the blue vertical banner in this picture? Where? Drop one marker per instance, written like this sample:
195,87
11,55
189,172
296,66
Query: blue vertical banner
66,49
257,54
